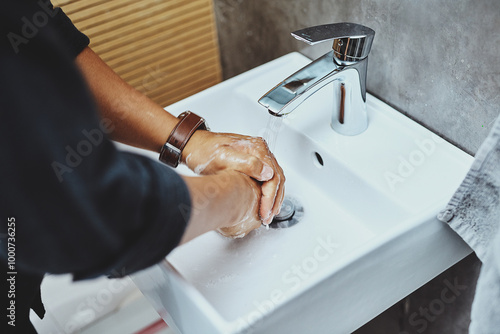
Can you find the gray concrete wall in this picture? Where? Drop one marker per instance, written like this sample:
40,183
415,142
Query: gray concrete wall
435,61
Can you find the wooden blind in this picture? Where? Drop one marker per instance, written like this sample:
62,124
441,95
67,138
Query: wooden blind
166,49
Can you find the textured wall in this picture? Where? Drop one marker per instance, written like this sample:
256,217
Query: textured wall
435,61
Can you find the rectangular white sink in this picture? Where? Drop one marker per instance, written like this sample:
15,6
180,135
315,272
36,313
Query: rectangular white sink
368,236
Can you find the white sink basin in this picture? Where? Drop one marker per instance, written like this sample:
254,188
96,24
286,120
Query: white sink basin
368,236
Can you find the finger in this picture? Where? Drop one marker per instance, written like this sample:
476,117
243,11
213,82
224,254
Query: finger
278,183
281,191
267,203
264,153
245,163
279,198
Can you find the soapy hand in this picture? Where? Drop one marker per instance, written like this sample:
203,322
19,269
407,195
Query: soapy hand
250,219
209,153
231,206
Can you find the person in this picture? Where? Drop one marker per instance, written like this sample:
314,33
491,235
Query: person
71,202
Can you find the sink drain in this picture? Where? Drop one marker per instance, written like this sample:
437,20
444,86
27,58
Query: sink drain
291,213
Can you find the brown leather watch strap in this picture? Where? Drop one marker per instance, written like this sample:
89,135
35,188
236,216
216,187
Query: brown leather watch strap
188,123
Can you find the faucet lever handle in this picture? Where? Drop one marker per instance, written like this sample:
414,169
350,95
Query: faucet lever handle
351,42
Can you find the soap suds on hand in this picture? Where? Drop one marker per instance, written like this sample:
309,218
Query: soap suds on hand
200,168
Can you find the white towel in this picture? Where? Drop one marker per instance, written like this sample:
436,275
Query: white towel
474,213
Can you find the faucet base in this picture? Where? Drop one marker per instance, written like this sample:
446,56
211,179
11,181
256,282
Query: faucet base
349,107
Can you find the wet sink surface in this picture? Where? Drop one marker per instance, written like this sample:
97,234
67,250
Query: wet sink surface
368,236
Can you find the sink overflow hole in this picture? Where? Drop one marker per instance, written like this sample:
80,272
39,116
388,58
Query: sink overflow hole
319,160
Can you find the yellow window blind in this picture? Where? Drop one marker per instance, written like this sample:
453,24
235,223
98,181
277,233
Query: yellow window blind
166,49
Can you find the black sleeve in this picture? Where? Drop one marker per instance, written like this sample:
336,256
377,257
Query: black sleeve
79,205
74,41
34,20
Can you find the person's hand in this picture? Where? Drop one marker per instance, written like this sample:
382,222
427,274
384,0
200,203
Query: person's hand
250,218
209,153
227,202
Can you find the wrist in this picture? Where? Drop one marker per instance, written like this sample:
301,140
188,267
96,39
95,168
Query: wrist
188,124
195,142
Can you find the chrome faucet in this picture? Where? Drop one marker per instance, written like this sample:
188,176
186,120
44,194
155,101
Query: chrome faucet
345,66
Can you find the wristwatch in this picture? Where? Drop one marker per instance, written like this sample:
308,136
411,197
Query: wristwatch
189,122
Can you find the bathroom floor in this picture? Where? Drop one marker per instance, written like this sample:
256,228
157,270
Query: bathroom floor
96,306
138,317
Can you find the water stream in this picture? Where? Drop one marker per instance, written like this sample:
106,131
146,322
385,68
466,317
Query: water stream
272,130
271,133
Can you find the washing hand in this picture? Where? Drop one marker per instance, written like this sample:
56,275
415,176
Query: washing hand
231,206
140,122
250,218
209,153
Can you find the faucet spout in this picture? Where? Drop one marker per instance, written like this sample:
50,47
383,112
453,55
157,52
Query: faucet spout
291,92
346,74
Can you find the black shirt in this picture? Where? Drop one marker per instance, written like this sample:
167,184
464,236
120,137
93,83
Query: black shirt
80,206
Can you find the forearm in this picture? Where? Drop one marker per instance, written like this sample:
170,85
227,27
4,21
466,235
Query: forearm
137,120
140,122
